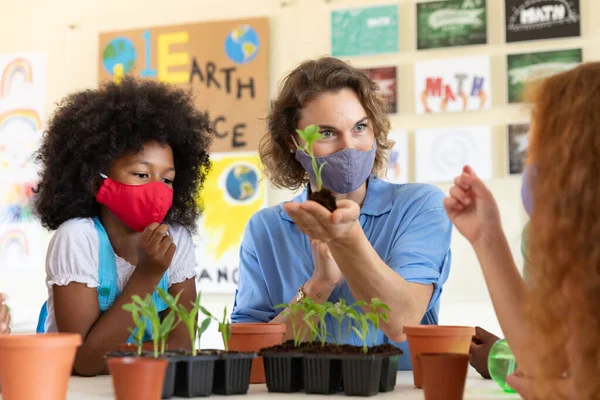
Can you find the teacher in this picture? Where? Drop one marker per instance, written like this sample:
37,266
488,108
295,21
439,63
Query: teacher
385,240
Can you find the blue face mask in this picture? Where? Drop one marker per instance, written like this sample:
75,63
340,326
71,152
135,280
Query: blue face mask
529,173
345,171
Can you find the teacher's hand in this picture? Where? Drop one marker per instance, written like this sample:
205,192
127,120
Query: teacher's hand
319,223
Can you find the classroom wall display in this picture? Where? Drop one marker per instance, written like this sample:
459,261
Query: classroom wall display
522,68
541,19
441,154
517,147
364,30
385,77
225,62
233,191
453,85
451,23
397,171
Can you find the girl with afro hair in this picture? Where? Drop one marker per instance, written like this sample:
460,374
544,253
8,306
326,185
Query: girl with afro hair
121,167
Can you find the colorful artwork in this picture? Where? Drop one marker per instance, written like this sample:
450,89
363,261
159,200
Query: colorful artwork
15,202
453,85
523,68
18,66
517,147
451,23
234,190
442,153
397,171
385,78
541,19
229,73
363,31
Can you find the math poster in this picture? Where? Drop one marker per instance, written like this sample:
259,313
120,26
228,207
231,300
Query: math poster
226,63
526,67
541,19
233,191
453,85
451,23
364,30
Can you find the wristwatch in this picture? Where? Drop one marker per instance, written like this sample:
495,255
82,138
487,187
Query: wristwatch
300,296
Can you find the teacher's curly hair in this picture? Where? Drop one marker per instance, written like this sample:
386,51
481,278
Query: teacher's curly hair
92,128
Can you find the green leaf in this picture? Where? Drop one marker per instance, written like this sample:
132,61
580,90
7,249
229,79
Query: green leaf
373,318
204,326
385,318
206,312
360,303
138,300
282,305
358,333
131,307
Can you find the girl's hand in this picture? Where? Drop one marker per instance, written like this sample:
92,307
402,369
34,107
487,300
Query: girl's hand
326,270
472,208
319,223
526,387
155,250
4,316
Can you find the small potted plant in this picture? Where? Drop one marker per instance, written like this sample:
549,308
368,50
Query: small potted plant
323,196
195,372
283,363
232,369
139,376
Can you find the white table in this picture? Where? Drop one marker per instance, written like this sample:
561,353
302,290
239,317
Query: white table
100,388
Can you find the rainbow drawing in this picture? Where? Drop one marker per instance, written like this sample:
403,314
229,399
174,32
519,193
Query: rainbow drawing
14,237
31,117
16,66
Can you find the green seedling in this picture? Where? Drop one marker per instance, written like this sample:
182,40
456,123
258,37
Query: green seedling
339,311
140,325
314,318
378,314
311,134
168,323
224,326
291,311
149,311
362,328
188,317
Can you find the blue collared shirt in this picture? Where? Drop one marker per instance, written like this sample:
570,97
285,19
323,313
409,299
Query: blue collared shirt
406,225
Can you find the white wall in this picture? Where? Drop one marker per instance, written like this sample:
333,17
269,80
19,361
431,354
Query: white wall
67,31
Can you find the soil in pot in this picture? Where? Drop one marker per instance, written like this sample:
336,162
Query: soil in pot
194,375
252,337
232,372
283,368
137,377
325,198
20,357
444,375
436,339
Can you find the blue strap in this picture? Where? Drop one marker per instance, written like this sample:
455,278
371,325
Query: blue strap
41,325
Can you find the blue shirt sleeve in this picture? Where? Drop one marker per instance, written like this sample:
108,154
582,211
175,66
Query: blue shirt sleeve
252,301
421,249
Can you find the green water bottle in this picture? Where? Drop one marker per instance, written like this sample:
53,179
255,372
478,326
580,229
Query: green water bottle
501,363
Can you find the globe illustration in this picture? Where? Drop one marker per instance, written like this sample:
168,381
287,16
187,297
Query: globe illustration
241,182
242,43
119,54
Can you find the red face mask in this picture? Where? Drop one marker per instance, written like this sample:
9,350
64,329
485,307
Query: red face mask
137,206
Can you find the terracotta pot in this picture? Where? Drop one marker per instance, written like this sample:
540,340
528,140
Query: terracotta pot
36,367
253,337
137,377
132,347
436,339
444,375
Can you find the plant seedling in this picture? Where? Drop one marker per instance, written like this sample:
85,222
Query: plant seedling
139,321
224,326
291,311
314,318
362,328
168,323
149,311
339,311
189,318
323,196
311,134
378,314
